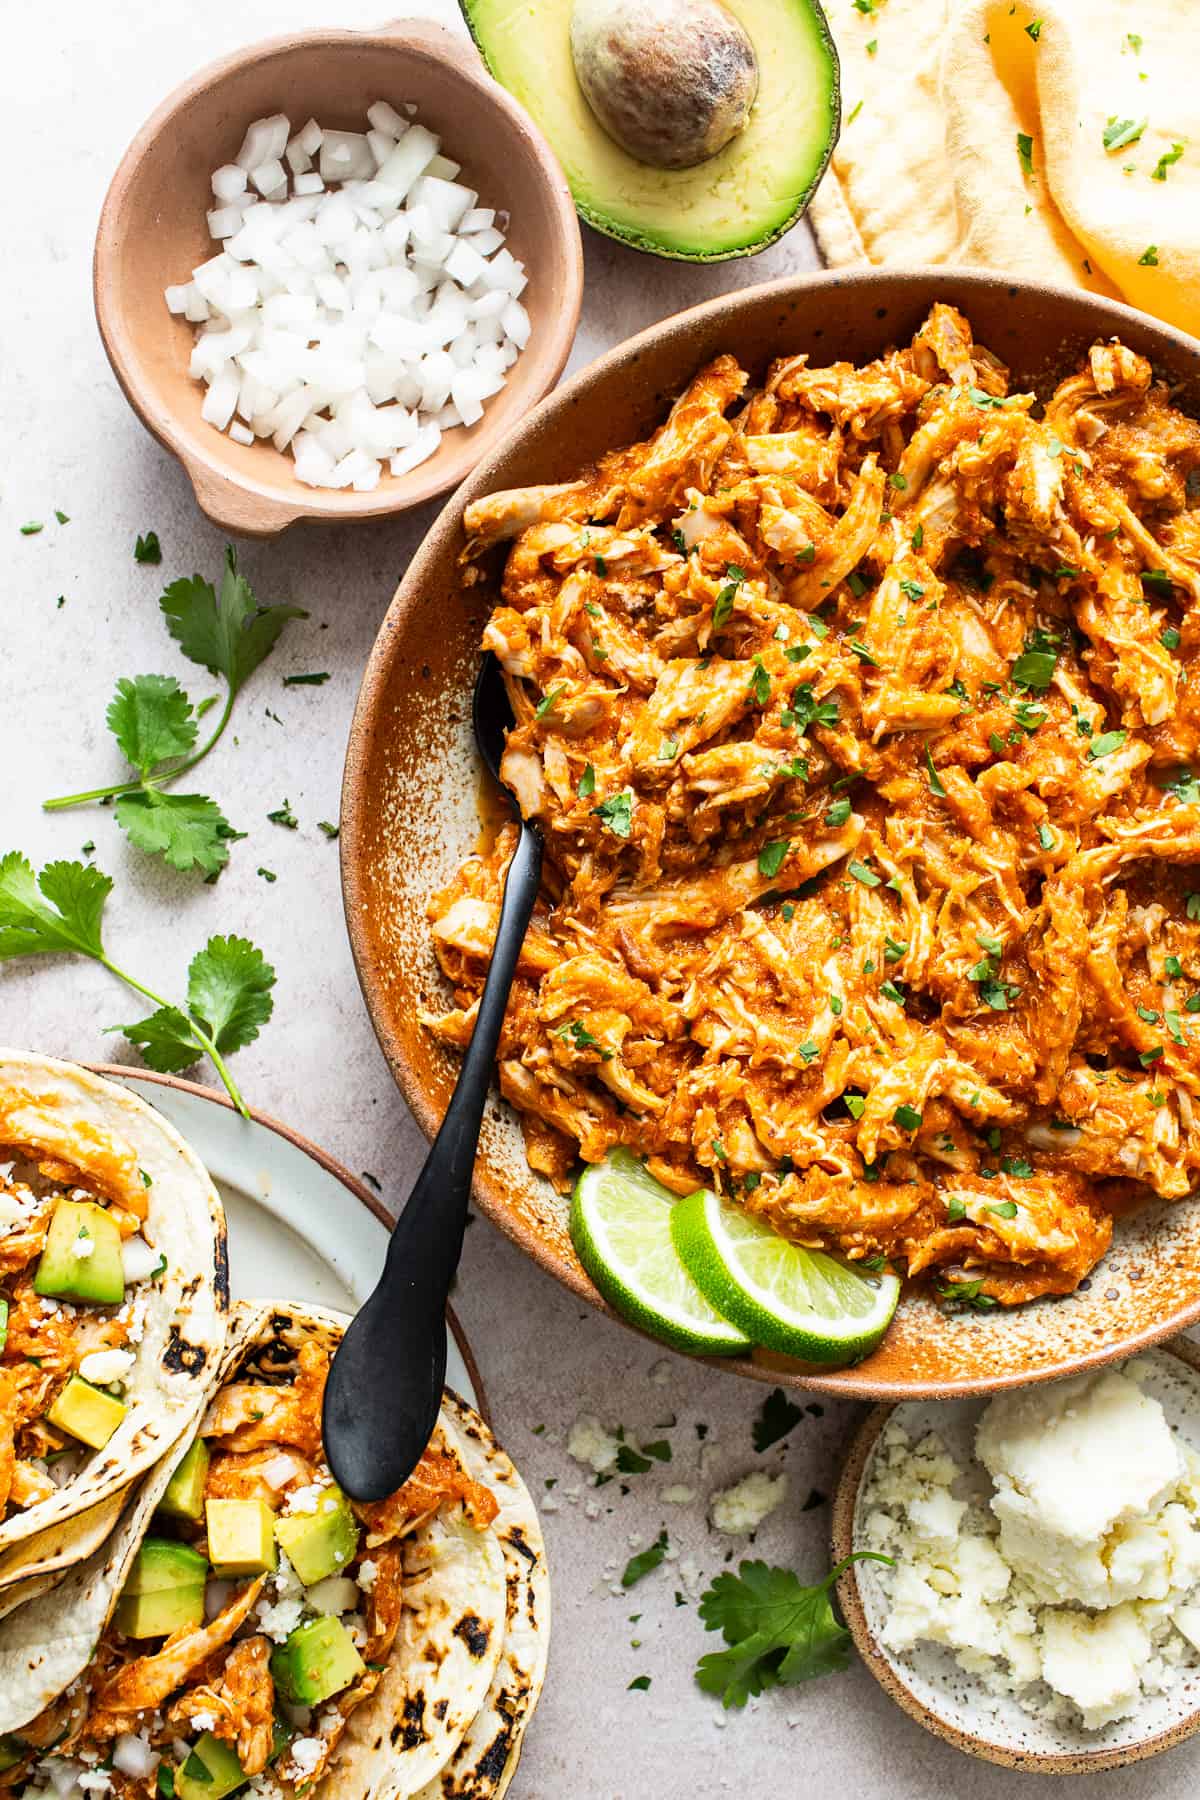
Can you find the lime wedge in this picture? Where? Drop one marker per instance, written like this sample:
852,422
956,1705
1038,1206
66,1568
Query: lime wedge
621,1229
799,1302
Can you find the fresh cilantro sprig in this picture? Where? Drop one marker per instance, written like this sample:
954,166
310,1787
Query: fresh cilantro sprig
59,912
778,1631
157,727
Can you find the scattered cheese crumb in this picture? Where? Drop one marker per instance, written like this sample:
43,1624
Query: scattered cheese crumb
591,1444
741,1509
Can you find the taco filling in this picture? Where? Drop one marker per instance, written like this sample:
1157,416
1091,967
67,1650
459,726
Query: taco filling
75,1253
258,1614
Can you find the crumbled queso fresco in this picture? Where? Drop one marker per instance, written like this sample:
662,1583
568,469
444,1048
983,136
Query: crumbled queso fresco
1076,1587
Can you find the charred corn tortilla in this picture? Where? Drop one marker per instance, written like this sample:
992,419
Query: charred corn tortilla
73,1143
484,1763
421,1588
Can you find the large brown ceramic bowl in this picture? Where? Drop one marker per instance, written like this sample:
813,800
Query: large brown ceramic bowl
153,233
410,800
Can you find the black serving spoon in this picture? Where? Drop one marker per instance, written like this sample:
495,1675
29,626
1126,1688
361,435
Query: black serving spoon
385,1385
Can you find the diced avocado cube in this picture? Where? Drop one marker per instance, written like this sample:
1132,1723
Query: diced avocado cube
12,1750
321,1542
164,1590
241,1536
184,1495
82,1256
86,1412
317,1660
210,1771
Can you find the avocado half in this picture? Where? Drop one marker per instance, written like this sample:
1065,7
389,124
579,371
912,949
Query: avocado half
739,201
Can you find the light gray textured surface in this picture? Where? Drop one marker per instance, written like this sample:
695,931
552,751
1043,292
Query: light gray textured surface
78,81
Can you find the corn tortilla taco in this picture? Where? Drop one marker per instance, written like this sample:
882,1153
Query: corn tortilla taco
485,1762
113,1303
250,1629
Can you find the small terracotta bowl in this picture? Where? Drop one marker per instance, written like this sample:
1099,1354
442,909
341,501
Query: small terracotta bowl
927,1682
153,233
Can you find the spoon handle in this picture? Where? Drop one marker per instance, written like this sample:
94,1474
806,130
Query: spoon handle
427,1241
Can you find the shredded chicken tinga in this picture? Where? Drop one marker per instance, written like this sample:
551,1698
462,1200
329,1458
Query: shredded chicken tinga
856,711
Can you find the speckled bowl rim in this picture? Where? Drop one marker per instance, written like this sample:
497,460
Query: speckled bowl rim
890,1677
442,539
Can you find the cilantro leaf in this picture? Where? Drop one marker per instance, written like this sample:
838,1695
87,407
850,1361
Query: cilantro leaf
147,549
56,911
189,831
229,635
776,1417
644,1561
229,982
157,726
777,1630
617,813
165,1039
152,720
229,991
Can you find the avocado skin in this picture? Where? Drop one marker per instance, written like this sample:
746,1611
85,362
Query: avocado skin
644,240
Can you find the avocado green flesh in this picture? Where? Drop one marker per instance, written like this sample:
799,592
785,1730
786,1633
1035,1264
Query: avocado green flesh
210,1772
740,200
184,1496
321,1542
317,1660
164,1590
63,1273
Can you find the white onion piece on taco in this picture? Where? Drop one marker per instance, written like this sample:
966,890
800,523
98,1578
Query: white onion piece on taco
99,1373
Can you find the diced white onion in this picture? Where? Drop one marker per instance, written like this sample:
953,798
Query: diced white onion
138,1259
132,1755
354,311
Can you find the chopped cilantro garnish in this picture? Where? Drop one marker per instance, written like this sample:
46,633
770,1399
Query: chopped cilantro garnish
1025,151
1034,29
1159,171
1119,132
548,701
587,783
867,876
907,1118
1168,637
838,813
1106,744
617,813
760,682
1149,257
772,857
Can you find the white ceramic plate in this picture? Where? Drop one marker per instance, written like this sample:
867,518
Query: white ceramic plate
928,1682
300,1226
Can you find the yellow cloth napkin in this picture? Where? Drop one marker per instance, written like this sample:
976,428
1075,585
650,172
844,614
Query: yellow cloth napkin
974,133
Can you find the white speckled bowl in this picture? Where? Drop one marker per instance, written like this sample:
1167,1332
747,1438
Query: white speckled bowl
927,1681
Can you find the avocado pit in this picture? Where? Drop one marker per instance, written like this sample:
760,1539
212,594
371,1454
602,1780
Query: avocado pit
672,81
